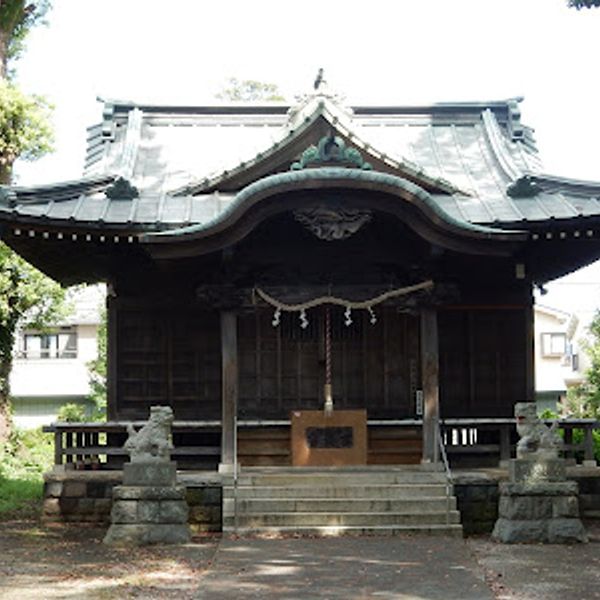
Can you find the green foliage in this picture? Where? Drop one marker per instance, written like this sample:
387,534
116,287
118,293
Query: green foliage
97,371
71,413
578,436
548,414
24,457
583,400
249,90
27,297
579,4
25,130
17,18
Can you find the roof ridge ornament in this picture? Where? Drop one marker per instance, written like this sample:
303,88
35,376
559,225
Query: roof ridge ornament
321,91
121,189
524,187
331,151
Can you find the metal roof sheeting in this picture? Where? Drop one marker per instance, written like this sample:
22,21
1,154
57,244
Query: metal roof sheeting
475,151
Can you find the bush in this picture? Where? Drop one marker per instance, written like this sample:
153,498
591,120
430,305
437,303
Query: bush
71,413
24,457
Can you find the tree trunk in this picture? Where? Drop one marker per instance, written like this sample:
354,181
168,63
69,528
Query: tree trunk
5,173
3,54
5,416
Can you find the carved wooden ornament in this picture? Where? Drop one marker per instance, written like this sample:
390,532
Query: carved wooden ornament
331,224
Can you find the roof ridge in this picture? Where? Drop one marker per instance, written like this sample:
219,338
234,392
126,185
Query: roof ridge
497,143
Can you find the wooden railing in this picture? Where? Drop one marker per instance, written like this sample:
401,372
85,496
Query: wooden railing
100,445
476,441
497,437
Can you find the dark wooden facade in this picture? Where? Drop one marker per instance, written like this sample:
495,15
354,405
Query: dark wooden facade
187,326
166,342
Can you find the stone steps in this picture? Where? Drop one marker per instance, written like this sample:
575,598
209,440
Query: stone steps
452,530
334,501
377,491
364,519
316,479
326,505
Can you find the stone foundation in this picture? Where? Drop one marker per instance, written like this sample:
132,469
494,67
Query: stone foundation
477,501
87,497
79,497
538,504
545,512
149,508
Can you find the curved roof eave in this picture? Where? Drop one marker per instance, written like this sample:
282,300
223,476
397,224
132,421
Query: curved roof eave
331,178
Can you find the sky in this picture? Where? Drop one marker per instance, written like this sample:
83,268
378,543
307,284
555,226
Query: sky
376,52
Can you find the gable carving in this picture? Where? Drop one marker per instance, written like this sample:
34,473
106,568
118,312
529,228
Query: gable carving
331,224
331,151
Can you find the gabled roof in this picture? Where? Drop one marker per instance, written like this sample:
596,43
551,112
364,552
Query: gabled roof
188,163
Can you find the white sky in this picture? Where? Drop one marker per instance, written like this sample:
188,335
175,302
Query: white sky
380,51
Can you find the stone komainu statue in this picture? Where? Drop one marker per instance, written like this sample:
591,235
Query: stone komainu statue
537,440
152,443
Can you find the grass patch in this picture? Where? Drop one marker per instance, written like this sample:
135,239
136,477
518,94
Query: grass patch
24,457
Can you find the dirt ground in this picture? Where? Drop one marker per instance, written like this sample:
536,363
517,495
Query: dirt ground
70,562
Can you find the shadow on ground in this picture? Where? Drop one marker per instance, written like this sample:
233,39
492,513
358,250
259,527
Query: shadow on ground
432,568
71,562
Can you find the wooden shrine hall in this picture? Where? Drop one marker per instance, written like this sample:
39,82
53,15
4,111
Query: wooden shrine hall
304,282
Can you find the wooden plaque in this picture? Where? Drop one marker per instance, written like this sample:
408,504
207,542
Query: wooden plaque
334,439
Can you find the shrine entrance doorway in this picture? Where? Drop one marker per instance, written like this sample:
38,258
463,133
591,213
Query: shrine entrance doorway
373,366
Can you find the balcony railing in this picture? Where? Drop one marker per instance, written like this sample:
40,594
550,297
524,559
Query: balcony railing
467,441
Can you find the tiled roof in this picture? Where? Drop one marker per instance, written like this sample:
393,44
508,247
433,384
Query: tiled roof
186,162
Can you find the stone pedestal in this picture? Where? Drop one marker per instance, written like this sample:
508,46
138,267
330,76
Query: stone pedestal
532,471
537,505
149,508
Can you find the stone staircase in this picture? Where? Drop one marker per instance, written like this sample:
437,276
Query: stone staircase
344,500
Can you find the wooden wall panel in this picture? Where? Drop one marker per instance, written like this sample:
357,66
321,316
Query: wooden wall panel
483,367
168,357
283,368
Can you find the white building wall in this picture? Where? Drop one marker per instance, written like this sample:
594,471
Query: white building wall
40,386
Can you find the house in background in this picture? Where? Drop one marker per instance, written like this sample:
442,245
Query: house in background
560,361
50,367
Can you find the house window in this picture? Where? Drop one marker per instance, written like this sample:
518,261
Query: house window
554,344
57,344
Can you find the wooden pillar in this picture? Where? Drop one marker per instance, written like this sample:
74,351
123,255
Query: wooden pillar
112,408
431,390
229,365
529,352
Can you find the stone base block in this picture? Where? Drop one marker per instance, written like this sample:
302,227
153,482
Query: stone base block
534,470
143,534
150,474
149,511
130,492
550,531
544,513
550,488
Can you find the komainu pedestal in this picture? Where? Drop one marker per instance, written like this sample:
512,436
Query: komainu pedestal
537,504
149,508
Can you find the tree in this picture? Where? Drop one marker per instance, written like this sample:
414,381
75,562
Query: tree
579,4
17,18
27,297
249,90
583,400
25,130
